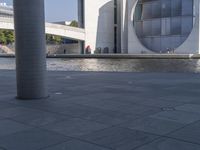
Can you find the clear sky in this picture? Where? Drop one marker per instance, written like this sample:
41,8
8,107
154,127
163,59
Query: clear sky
57,10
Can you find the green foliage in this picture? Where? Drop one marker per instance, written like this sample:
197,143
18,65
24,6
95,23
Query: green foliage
53,39
74,23
6,37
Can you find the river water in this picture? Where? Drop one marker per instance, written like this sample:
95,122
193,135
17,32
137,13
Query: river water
115,65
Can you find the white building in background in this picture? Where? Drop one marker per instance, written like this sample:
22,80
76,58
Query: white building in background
141,26
6,11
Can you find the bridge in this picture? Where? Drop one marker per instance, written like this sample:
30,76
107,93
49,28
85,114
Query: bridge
51,28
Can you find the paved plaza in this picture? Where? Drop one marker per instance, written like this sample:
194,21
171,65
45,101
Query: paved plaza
103,111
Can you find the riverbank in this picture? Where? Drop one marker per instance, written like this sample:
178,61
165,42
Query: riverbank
118,56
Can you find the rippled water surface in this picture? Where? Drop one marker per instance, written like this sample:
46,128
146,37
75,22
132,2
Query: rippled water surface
118,65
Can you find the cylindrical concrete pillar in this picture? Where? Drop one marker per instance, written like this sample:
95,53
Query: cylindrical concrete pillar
30,49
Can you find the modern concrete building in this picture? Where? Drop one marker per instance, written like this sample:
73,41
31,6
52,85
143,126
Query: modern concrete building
6,11
141,26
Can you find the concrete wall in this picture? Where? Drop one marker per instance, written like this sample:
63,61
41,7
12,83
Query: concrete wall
190,46
59,49
99,24
51,49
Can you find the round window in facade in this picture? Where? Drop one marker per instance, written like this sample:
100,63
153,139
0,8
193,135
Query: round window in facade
163,25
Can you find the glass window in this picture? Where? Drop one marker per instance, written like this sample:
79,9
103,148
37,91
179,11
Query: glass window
163,25
147,11
115,15
156,41
187,24
147,28
138,12
156,27
139,28
165,44
187,7
166,8
176,26
166,26
156,10
176,7
148,0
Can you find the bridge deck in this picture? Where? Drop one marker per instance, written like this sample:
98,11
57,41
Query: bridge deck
51,28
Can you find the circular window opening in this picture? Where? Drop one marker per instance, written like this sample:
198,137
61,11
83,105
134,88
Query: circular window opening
163,25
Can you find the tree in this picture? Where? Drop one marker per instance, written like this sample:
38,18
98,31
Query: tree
2,37
9,36
6,37
53,39
74,23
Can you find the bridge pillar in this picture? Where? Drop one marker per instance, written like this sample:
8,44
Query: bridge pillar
30,49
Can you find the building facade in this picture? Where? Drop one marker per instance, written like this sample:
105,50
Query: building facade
6,11
141,26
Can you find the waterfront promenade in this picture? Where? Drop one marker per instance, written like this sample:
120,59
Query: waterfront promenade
117,56
103,111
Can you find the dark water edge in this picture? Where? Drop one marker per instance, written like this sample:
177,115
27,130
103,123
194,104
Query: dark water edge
115,65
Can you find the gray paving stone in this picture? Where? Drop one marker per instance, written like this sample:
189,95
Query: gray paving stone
38,118
162,103
44,105
9,127
178,116
109,99
76,145
169,144
33,139
189,108
132,109
190,133
108,117
2,118
119,138
15,111
153,125
4,105
74,127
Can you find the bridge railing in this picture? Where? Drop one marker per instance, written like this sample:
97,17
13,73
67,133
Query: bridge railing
58,26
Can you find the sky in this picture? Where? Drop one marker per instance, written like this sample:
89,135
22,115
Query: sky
57,10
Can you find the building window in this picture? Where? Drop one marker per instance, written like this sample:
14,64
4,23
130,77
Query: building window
163,25
115,39
115,15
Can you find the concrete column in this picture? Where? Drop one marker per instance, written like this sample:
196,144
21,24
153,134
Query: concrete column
81,23
82,47
124,26
30,49
81,18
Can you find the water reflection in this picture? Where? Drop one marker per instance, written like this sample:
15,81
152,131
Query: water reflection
118,65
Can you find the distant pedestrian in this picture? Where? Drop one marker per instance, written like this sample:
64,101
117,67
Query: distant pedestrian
64,51
88,50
